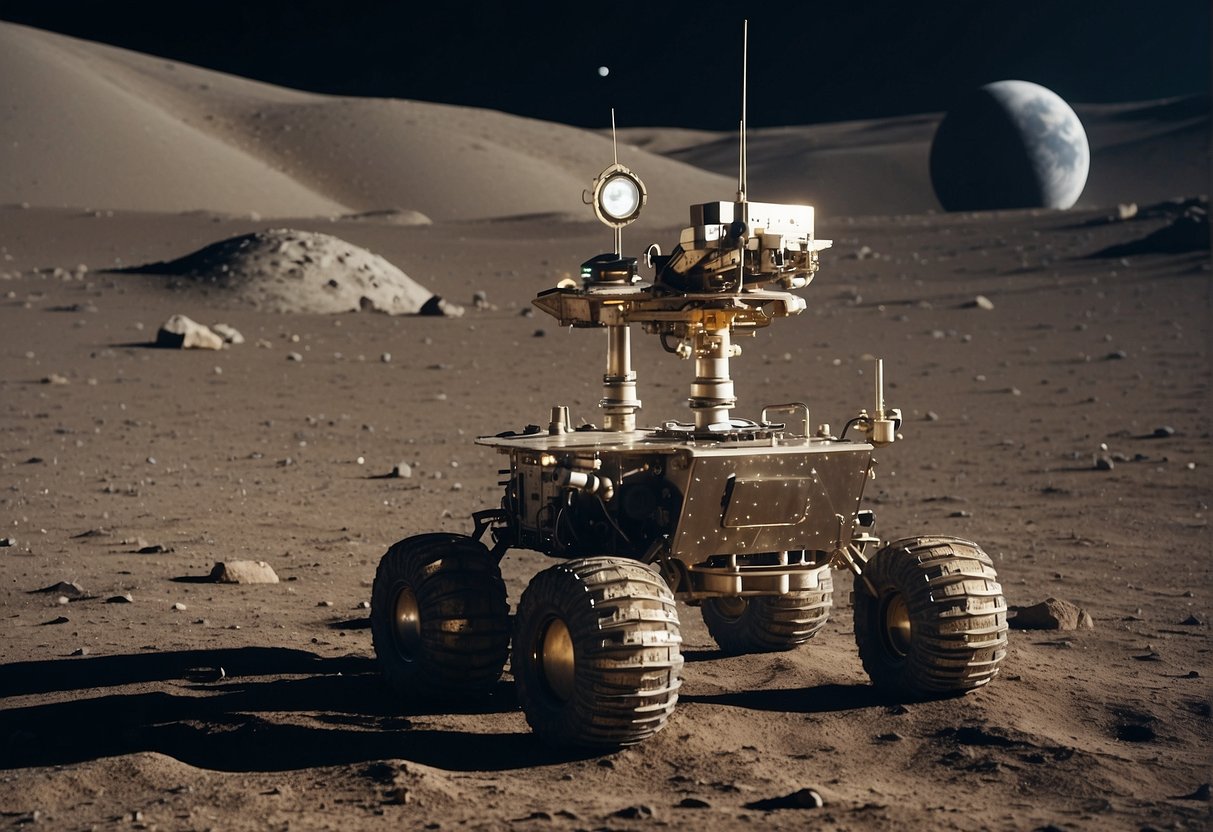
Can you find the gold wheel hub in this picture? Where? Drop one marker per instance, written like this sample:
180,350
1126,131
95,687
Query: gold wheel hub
406,624
898,631
556,659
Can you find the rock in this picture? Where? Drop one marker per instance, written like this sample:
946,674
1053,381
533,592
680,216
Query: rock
179,607
1116,355
981,302
6,542
70,589
229,334
180,332
55,378
402,470
63,619
635,812
480,299
1104,463
808,799
1126,210
1163,432
1202,793
1192,621
386,358
1051,614
436,305
693,803
243,572
153,549
294,356
125,598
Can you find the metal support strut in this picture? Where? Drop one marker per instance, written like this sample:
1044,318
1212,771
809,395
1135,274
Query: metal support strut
619,403
712,390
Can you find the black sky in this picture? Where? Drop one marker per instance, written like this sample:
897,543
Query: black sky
671,63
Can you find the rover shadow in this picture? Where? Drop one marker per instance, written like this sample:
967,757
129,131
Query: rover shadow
273,710
815,700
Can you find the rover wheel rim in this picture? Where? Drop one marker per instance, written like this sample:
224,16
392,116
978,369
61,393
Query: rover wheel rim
556,659
406,624
898,630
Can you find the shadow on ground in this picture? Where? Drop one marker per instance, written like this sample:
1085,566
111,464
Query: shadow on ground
272,710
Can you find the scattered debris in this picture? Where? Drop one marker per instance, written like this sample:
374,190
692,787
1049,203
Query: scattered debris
181,332
1051,614
243,572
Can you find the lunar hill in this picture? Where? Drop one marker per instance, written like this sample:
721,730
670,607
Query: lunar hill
284,270
89,125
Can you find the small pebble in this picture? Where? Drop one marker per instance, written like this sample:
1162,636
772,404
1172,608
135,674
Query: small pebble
180,607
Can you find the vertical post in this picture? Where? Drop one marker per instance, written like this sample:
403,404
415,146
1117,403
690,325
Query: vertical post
712,390
619,403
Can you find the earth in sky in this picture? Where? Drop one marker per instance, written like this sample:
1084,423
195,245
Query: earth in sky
1009,144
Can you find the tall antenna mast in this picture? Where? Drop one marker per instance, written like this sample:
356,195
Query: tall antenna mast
615,151
745,55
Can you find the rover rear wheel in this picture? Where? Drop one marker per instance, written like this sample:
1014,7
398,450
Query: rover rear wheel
440,622
597,659
937,623
769,623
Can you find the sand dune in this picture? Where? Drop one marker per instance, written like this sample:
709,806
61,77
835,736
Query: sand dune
92,125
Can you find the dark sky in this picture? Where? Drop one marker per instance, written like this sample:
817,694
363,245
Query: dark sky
671,63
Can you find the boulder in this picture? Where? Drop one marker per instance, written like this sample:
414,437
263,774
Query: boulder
1051,614
182,333
243,572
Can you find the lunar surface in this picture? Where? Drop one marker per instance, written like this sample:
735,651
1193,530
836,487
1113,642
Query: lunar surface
1052,368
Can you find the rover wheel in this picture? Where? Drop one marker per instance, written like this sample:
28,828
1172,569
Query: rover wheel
597,658
439,617
767,623
937,625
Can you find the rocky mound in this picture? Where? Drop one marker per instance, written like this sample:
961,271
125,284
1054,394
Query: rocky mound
285,270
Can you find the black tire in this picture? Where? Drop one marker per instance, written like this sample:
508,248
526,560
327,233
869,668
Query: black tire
769,623
440,622
597,659
937,625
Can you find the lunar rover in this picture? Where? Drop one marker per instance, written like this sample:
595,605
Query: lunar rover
745,519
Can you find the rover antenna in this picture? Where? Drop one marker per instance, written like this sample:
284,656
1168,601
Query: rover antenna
745,49
615,152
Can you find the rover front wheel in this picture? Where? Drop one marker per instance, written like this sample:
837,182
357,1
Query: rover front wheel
937,623
769,623
597,653
440,622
